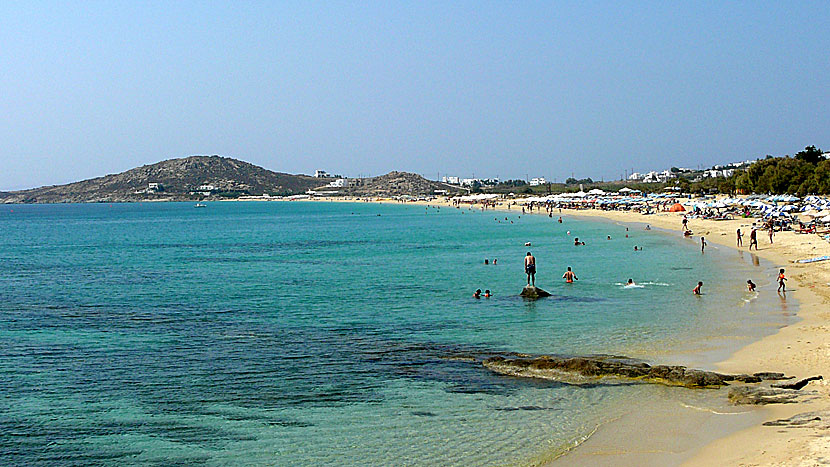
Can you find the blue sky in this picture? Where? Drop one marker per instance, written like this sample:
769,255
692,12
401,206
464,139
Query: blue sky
504,89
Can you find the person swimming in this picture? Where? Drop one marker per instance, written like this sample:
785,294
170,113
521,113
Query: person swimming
648,227
569,276
696,290
560,220
609,237
477,293
495,260
750,286
486,261
636,248
782,287
487,293
630,282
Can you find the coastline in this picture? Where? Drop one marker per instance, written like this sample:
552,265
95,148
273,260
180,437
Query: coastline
801,349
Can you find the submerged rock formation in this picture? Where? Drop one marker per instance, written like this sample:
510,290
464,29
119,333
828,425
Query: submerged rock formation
593,368
532,292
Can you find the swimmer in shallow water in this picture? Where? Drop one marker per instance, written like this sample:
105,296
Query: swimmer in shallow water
569,276
630,282
477,293
696,290
750,286
487,293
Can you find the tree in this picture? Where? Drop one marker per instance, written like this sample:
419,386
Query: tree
810,155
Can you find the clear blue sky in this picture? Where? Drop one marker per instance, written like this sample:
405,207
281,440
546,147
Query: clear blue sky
491,88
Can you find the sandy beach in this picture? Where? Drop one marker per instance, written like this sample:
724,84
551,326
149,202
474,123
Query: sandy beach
801,350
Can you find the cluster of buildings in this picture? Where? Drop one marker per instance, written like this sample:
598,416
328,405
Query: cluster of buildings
339,180
470,181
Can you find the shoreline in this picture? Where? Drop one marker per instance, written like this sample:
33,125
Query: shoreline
800,349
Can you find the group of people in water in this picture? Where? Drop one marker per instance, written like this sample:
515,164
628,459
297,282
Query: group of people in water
570,277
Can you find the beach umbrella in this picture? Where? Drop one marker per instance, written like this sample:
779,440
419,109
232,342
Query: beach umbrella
677,207
825,219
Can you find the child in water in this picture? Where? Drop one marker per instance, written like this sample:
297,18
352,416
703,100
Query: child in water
750,286
696,290
781,279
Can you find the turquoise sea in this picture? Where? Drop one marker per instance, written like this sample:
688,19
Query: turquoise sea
292,333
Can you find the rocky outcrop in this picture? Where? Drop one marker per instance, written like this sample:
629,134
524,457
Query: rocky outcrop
749,395
798,384
807,419
532,292
593,368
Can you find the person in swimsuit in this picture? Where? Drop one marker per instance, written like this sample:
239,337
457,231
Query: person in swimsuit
477,293
753,239
569,276
740,238
685,223
487,293
771,231
696,290
702,244
530,268
630,282
781,279
750,286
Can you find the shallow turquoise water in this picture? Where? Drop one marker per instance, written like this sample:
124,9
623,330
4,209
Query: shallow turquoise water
313,333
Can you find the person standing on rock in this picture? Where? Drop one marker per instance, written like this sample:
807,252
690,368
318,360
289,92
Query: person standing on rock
530,269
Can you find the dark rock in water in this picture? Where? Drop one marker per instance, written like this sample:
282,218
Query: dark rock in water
802,419
746,378
533,292
768,376
798,384
587,369
747,395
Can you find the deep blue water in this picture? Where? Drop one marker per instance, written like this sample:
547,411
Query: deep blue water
314,333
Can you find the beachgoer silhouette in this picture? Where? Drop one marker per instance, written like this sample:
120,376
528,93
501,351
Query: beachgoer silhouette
530,268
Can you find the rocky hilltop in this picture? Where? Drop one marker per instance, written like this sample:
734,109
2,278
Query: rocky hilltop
209,177
397,184
174,179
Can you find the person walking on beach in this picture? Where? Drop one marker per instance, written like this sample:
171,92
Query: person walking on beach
740,238
685,223
696,290
753,239
781,279
530,269
569,276
771,232
702,244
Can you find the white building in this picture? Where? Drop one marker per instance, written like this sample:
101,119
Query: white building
339,183
537,181
153,187
451,180
206,187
